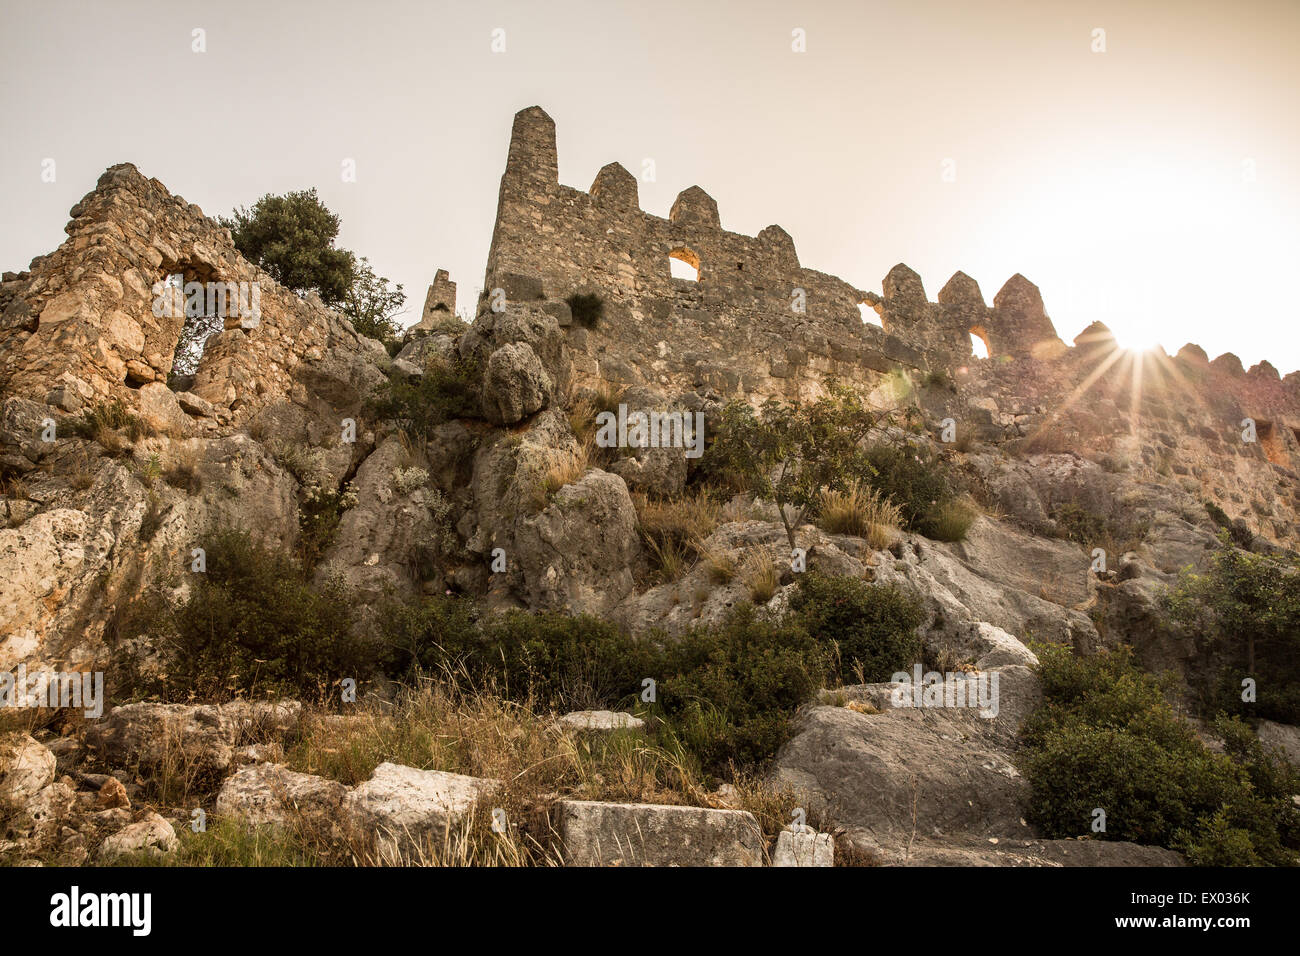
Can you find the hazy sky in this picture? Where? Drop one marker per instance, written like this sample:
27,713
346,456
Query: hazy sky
1154,186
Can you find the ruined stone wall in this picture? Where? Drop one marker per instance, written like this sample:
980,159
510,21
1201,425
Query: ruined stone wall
81,327
441,298
777,325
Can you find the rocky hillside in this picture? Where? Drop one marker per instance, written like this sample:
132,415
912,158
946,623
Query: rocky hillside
359,598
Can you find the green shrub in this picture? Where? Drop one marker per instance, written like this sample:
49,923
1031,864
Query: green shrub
947,521
587,309
319,515
1244,614
726,694
562,662
730,693
449,388
252,624
914,479
874,625
1105,737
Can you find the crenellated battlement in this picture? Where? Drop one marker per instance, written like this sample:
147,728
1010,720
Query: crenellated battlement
790,319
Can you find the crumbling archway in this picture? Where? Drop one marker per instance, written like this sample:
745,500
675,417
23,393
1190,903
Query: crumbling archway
979,342
684,263
869,314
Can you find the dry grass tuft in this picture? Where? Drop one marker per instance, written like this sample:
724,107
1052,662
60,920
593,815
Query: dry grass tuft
759,575
862,512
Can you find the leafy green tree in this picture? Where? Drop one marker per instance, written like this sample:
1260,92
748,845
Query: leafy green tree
292,237
1245,609
371,305
789,453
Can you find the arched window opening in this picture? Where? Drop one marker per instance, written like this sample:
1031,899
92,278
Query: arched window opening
684,264
205,303
979,343
869,315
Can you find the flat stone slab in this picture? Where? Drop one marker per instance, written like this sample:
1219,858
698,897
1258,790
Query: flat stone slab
402,806
596,833
599,721
805,848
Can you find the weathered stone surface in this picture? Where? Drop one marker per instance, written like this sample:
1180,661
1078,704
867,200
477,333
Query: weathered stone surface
599,721
515,384
148,735
1280,736
273,794
596,833
151,834
577,552
930,771
26,768
404,808
804,848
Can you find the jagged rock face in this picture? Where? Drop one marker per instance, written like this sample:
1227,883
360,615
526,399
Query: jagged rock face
577,553
94,322
515,385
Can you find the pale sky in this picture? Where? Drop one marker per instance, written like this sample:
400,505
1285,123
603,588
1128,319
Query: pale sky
1154,186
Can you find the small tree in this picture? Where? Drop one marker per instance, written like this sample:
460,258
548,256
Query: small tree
790,453
371,305
1246,607
292,237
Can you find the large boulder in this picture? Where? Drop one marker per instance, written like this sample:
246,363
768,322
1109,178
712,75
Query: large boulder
202,737
514,384
273,794
26,768
576,554
378,541
409,812
891,773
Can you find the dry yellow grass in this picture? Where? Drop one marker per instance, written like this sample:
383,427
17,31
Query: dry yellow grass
862,512
759,575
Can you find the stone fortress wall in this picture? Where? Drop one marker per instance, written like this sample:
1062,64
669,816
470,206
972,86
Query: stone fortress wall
79,327
734,332
739,327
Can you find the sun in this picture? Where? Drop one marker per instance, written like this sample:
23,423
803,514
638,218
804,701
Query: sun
1137,340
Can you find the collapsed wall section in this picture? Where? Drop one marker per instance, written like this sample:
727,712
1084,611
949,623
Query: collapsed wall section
96,320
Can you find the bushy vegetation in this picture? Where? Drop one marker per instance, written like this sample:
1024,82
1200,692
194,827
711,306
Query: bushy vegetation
862,512
105,422
873,627
915,480
792,453
729,693
252,624
587,309
1079,523
371,305
255,624
449,388
726,693
1106,738
1244,614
